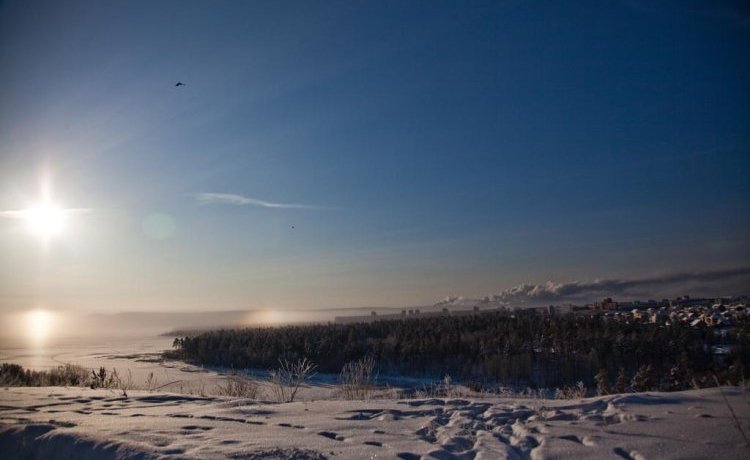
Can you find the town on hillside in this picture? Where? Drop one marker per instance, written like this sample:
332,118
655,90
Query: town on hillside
722,312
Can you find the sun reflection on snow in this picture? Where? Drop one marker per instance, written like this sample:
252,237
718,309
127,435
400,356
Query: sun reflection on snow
263,318
38,326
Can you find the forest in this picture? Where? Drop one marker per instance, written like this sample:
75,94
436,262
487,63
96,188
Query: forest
490,349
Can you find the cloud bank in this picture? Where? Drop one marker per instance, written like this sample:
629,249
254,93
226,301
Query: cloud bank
239,200
704,282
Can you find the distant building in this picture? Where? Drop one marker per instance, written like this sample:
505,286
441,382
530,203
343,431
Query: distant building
606,304
403,315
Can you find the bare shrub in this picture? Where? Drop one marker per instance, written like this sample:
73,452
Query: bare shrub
287,379
124,384
358,379
111,380
576,392
238,386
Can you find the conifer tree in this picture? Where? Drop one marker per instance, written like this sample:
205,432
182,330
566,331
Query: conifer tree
621,384
642,380
602,383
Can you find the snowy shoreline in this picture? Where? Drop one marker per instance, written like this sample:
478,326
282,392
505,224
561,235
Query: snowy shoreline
52,422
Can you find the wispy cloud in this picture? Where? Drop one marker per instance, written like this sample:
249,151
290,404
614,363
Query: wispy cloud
240,200
551,291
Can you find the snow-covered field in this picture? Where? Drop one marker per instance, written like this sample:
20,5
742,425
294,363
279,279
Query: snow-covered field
176,422
83,423
134,357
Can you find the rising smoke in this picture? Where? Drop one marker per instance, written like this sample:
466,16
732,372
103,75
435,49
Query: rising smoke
714,282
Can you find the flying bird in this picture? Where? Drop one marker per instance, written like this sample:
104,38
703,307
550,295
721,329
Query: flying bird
179,83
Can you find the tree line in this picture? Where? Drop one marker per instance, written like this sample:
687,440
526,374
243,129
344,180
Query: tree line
540,351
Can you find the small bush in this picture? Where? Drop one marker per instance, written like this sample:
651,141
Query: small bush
102,379
289,377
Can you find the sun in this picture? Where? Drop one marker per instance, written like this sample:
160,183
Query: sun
45,220
44,217
38,325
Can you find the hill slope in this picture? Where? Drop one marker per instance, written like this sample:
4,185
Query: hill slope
98,424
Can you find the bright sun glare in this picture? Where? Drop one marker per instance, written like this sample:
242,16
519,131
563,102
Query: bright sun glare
45,220
44,217
38,325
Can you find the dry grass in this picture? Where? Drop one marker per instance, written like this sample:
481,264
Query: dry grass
238,386
357,379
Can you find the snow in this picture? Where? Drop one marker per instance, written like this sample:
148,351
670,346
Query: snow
82,423
134,357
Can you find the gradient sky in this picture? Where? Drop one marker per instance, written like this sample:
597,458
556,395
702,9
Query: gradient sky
428,148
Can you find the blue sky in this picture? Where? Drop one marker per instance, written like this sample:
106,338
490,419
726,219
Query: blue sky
437,148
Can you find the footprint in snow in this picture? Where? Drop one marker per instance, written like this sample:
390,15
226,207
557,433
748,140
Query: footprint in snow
332,435
407,456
